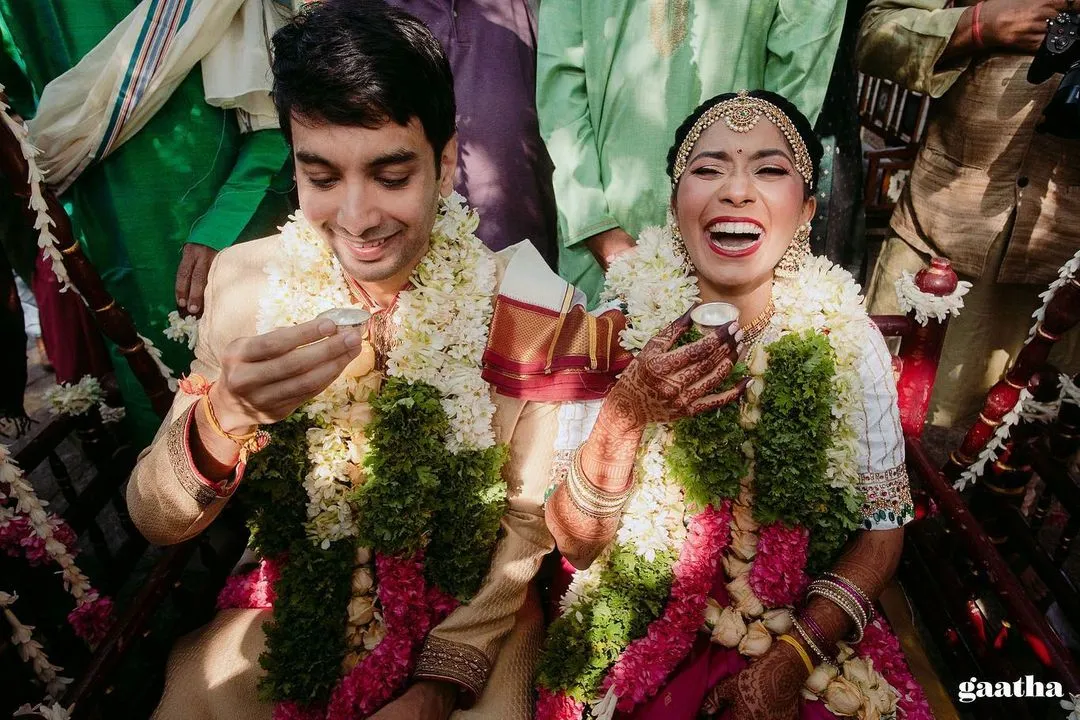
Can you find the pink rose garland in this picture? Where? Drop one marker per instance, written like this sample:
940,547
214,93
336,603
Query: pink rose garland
778,574
880,645
93,614
410,609
93,617
557,706
251,590
648,661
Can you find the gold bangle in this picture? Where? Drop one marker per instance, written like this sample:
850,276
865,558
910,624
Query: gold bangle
843,601
588,498
838,579
799,649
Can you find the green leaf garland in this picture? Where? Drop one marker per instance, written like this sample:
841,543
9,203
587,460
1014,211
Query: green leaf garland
706,455
587,640
418,496
791,442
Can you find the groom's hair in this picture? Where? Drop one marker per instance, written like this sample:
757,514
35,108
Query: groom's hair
362,63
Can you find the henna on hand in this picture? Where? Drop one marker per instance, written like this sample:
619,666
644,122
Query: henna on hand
869,562
766,690
662,384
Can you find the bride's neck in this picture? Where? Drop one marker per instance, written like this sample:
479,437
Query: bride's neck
750,299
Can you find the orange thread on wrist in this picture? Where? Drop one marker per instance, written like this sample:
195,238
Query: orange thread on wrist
248,443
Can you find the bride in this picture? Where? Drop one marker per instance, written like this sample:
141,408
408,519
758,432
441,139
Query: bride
736,506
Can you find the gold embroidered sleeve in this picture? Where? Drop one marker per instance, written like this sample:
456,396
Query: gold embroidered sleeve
454,662
167,499
888,501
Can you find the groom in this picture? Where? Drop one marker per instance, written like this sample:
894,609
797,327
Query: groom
365,97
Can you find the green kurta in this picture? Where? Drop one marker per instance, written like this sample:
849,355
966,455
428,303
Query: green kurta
188,176
616,78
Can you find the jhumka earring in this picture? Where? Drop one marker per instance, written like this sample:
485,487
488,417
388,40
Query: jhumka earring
677,242
795,255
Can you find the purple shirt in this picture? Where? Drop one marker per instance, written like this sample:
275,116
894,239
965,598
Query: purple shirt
503,167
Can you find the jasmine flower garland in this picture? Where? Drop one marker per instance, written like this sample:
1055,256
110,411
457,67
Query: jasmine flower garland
785,462
378,490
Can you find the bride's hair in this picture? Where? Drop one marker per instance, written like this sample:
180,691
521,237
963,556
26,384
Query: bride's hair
802,125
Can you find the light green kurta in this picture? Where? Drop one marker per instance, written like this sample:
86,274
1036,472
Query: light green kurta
616,78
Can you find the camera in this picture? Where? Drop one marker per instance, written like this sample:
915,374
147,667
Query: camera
1060,53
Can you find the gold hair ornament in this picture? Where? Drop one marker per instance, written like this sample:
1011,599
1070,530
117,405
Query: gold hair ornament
741,114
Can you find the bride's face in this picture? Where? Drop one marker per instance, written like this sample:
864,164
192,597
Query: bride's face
739,203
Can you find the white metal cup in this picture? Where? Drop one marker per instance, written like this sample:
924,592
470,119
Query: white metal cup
346,316
709,316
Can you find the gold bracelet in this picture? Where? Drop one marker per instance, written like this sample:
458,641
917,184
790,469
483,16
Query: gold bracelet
853,602
588,498
799,649
843,602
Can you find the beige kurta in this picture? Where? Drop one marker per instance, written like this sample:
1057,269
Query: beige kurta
492,642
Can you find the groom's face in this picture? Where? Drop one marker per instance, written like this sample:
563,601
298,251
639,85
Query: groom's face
371,193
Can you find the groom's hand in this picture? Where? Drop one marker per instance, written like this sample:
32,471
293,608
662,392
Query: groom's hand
264,378
425,700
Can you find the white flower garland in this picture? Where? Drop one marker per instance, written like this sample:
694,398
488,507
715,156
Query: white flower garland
30,650
1065,275
27,503
155,354
50,712
1026,407
1073,706
654,284
442,326
925,305
1070,391
76,399
46,240
182,329
996,443
43,222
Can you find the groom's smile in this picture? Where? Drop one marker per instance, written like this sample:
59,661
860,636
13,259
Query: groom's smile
372,194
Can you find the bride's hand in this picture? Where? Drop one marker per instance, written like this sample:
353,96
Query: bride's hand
664,384
766,690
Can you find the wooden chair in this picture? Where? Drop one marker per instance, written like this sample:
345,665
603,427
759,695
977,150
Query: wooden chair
898,118
980,616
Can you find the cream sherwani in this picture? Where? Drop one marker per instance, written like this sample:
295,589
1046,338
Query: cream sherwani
491,643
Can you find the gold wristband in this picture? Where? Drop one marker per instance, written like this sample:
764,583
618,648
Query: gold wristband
799,649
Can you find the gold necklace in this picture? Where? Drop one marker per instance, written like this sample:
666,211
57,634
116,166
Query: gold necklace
754,329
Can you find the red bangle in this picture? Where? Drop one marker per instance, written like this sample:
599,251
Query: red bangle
976,26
